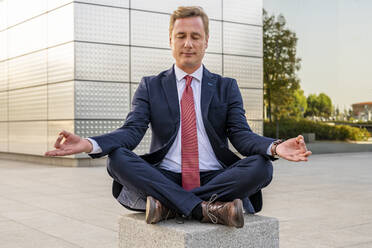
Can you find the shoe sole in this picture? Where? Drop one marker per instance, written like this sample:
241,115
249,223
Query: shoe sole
238,222
150,209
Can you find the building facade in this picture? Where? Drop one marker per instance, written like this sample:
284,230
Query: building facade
75,65
362,111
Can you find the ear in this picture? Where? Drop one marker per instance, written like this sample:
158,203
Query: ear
170,41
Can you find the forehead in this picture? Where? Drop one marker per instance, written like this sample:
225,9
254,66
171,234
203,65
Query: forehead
189,24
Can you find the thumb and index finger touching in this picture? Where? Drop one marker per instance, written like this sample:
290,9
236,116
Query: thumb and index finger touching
301,141
59,145
63,134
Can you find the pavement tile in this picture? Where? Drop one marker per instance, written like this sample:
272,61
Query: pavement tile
323,203
13,234
71,230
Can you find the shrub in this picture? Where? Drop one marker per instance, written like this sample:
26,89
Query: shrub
289,128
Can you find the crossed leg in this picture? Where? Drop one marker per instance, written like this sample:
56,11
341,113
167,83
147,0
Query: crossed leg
242,179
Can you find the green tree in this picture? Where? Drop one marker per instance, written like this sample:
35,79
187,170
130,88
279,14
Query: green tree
312,105
280,66
319,105
299,105
324,105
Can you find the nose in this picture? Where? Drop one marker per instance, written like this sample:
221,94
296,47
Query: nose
188,43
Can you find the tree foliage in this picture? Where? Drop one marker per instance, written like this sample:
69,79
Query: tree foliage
298,106
280,66
319,105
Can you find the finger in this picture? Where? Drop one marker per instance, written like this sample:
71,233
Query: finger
58,141
307,153
300,137
303,145
58,153
65,133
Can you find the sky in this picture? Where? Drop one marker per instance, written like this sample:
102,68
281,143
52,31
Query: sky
335,45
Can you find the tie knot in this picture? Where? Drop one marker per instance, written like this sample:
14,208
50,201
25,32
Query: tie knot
188,80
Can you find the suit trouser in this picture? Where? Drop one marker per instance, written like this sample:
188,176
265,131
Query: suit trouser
240,180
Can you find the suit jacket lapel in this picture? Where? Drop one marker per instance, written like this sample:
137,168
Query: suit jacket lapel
208,88
170,88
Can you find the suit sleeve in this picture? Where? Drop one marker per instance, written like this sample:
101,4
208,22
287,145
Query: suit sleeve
239,133
134,128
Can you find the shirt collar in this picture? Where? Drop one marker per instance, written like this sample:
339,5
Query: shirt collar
180,74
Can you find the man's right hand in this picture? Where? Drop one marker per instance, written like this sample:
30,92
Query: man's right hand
72,144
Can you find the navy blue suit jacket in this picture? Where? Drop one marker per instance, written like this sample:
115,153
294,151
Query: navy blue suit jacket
156,102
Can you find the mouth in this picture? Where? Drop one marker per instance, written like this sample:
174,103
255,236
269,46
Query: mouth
188,54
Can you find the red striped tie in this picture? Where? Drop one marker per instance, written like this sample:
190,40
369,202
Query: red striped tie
189,139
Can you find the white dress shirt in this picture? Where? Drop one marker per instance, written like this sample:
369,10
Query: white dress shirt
172,160
207,158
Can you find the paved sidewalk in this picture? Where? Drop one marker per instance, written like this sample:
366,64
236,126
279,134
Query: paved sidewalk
326,202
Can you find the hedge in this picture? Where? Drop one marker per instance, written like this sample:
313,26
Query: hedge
289,128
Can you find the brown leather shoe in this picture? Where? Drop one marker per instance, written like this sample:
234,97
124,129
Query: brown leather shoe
155,211
226,213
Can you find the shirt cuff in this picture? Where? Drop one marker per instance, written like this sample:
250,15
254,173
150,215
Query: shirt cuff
269,149
96,147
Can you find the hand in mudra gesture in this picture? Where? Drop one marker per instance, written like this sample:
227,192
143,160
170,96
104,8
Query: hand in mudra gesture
68,143
293,149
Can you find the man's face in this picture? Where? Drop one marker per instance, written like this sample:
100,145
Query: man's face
188,42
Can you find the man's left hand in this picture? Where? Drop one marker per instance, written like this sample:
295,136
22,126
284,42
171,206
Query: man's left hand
293,149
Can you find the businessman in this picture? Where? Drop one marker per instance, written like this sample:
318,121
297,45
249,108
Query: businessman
189,170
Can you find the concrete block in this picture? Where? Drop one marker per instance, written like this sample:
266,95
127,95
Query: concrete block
309,137
258,231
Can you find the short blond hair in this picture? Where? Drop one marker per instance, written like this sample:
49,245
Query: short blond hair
189,11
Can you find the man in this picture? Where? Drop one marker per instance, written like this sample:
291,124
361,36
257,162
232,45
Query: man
190,170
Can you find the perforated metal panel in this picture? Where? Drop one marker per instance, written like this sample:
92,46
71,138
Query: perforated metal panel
256,126
88,128
28,70
242,39
247,71
28,104
4,136
101,62
101,24
253,102
215,37
116,3
61,25
97,101
33,31
243,11
61,101
149,29
213,62
3,75
28,137
61,63
147,61
101,100
3,106
211,7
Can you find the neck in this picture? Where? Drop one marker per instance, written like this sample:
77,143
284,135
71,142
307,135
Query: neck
188,70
